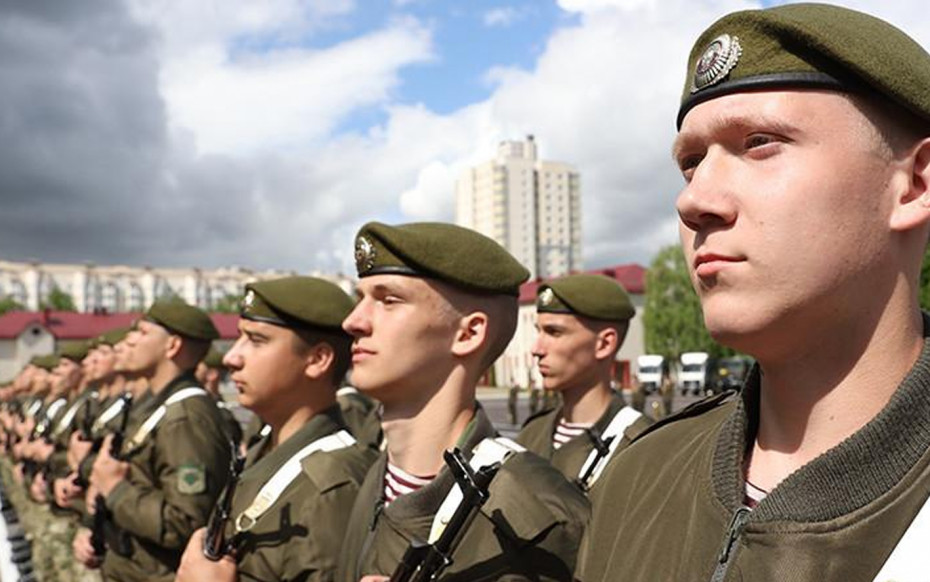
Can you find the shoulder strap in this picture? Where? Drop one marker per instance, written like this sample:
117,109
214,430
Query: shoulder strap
65,421
53,408
908,561
489,451
109,414
275,486
152,421
621,421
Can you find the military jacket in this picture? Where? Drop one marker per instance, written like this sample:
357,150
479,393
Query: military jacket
538,430
174,478
665,509
299,536
529,529
361,415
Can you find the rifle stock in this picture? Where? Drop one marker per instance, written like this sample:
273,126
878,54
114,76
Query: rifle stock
215,545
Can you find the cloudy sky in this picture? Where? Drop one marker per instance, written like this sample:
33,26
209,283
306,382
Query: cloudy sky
263,133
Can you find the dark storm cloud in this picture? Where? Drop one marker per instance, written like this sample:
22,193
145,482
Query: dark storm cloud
88,170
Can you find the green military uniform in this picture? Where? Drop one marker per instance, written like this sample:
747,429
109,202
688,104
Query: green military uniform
527,530
299,536
178,465
530,527
538,430
839,516
835,519
361,415
292,528
591,297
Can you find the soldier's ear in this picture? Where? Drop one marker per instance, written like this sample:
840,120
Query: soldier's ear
912,189
606,343
319,361
471,334
174,346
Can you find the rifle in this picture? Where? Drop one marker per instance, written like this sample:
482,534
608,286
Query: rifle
602,446
423,562
215,544
98,530
87,422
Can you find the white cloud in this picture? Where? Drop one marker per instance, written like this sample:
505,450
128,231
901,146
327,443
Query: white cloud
503,17
287,98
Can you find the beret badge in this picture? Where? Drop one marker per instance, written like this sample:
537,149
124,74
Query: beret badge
546,297
248,300
719,58
364,254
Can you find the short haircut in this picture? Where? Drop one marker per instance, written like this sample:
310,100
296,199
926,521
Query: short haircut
340,342
502,311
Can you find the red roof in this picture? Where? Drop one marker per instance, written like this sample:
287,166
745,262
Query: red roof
66,325
632,277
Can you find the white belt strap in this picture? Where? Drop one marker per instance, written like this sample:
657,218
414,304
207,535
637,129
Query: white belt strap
109,414
346,390
53,408
66,420
34,408
619,423
152,421
274,487
488,452
909,560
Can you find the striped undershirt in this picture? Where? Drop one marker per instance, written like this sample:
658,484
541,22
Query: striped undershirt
398,482
754,495
566,431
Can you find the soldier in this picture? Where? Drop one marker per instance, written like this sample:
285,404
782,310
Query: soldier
582,321
804,218
361,414
289,508
178,456
437,305
211,373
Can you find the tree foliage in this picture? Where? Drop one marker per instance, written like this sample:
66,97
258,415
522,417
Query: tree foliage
672,316
58,300
9,304
925,282
227,304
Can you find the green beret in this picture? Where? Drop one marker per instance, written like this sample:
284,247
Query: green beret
449,253
214,359
182,319
47,362
74,351
814,46
594,296
112,337
297,302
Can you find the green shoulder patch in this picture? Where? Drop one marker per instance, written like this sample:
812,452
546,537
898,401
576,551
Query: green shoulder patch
192,479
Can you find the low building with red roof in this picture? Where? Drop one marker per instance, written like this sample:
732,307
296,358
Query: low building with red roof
24,334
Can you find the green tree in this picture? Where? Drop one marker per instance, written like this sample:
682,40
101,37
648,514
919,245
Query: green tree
672,316
58,300
9,304
227,304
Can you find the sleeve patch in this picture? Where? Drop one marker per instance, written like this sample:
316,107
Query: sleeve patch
192,479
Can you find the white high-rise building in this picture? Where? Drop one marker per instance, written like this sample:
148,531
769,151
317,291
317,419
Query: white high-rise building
531,207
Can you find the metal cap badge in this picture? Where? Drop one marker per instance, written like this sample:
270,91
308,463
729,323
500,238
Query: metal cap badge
719,58
546,297
364,254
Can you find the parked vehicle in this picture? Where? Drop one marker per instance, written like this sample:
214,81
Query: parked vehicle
651,371
729,373
693,375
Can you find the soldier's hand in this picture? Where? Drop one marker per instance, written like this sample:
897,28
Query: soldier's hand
90,496
78,449
195,567
66,490
38,489
43,451
84,550
107,471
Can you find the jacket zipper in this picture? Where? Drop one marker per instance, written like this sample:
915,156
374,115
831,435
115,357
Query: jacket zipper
737,523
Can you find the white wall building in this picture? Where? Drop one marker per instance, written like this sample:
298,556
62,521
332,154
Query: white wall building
116,289
531,207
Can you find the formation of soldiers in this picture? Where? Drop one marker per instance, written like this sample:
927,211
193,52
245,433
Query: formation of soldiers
819,469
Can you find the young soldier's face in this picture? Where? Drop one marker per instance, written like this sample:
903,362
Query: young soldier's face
103,366
565,351
148,345
403,335
265,364
784,216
